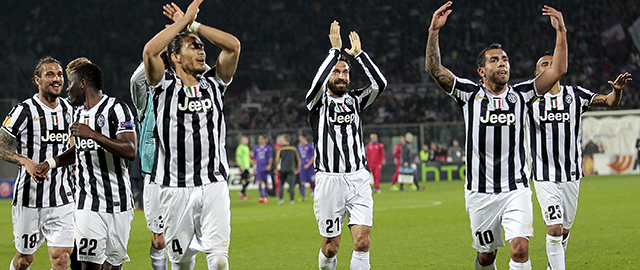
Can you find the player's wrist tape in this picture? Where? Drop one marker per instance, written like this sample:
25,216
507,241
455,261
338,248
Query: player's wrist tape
52,163
193,27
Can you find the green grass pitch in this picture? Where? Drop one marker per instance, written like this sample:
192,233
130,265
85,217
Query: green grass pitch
412,230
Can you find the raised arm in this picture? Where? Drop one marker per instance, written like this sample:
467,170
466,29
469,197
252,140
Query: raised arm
320,80
227,62
545,81
377,81
612,100
154,67
442,75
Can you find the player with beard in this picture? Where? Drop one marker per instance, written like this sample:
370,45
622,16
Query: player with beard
342,180
497,176
41,210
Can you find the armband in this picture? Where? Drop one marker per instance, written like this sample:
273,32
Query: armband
52,163
193,27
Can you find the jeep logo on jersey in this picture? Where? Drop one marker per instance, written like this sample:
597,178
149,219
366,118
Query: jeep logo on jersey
498,118
87,144
196,105
342,118
554,116
54,136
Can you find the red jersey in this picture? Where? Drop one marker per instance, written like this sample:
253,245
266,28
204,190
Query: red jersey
397,152
375,153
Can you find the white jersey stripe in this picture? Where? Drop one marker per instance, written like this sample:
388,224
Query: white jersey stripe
103,178
556,134
190,132
336,121
41,133
495,135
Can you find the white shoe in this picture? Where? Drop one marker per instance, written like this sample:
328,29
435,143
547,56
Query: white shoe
280,202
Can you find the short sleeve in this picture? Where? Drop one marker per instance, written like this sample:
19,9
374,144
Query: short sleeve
164,83
585,96
527,89
213,75
463,89
125,121
15,122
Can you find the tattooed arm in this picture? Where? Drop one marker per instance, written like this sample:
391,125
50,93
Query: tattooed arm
443,76
612,99
9,155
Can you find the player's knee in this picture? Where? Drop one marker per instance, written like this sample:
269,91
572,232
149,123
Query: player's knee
217,262
24,261
362,243
61,261
555,230
330,250
486,258
158,241
520,250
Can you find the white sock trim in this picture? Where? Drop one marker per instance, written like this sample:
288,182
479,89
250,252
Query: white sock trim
327,263
492,266
520,266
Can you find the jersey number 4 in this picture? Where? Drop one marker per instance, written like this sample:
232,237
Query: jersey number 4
175,246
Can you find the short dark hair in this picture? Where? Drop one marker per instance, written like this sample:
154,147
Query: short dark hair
482,58
75,63
342,57
547,53
91,73
44,60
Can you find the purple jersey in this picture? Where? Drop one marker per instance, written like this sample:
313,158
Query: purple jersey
306,152
262,154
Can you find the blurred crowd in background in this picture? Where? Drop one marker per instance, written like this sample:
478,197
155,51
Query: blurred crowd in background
284,42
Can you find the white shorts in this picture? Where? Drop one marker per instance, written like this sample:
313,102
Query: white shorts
488,211
155,222
200,214
338,195
31,226
103,236
558,202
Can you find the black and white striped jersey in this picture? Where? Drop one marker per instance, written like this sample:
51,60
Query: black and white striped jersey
495,129
102,177
336,121
41,133
190,131
556,134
